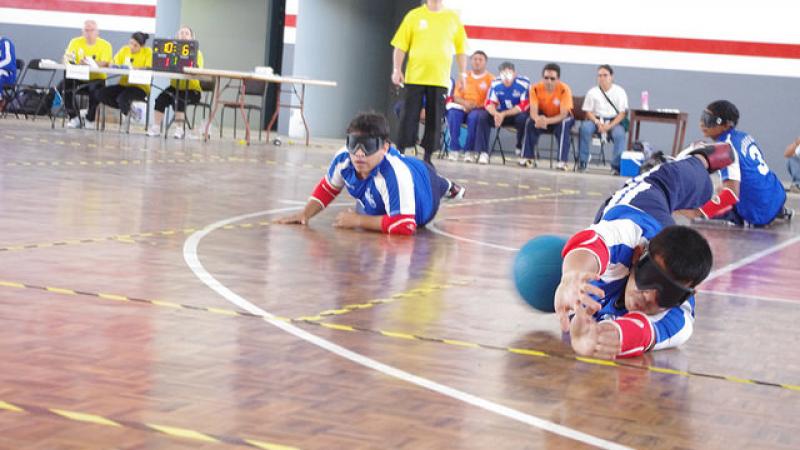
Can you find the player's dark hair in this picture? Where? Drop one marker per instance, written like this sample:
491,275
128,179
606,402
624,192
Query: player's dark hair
686,253
140,37
607,67
554,67
506,65
369,124
480,52
725,110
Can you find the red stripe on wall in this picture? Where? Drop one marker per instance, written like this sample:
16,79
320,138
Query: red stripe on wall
113,9
290,20
720,47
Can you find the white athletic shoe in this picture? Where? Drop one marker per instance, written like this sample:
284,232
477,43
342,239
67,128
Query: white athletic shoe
453,156
561,165
154,130
525,162
484,158
74,123
470,157
179,133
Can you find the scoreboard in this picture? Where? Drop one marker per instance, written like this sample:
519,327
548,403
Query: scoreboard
172,55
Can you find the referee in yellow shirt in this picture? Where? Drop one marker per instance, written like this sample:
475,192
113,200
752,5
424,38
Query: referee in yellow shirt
430,35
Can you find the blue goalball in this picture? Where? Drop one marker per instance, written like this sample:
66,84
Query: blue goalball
537,271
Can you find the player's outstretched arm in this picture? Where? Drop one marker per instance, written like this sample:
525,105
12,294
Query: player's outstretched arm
574,290
313,207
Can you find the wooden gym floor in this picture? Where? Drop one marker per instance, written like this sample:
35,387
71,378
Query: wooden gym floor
146,302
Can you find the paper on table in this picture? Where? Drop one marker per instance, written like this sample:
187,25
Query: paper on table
77,72
140,77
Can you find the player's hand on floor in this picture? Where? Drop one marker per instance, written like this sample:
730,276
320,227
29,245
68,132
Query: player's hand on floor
294,219
573,293
347,219
608,341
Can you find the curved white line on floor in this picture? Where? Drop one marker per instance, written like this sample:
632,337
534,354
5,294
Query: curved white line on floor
192,259
432,226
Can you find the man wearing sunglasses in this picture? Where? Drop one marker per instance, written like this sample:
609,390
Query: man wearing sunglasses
551,112
395,194
627,284
751,193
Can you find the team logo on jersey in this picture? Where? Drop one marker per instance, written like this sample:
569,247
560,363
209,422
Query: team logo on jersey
423,24
482,85
556,101
515,93
370,199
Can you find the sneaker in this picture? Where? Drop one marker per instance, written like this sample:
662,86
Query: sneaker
456,191
582,167
484,158
525,162
74,123
518,151
453,156
562,166
154,130
786,214
179,133
794,189
469,157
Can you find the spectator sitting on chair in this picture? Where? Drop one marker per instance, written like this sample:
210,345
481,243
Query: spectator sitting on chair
551,112
136,56
430,35
88,49
506,105
792,153
467,102
606,107
186,94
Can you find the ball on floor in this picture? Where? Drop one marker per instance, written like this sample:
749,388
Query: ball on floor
537,271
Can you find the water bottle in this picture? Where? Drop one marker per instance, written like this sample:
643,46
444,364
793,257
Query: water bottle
603,135
645,100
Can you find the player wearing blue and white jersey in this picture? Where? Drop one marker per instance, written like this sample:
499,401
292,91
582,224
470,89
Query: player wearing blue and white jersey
628,279
395,194
507,104
751,193
8,63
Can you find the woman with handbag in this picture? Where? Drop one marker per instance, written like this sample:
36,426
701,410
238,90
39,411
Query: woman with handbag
606,107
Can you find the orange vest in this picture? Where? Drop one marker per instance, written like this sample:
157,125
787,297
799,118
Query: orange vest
549,103
475,89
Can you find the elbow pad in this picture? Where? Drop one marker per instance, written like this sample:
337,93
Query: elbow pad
403,224
636,334
719,155
591,241
719,204
324,193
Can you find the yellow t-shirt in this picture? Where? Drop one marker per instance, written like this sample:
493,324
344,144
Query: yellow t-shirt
194,85
101,52
430,39
141,60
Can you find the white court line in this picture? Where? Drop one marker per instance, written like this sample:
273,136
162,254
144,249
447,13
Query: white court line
193,261
432,226
750,297
755,256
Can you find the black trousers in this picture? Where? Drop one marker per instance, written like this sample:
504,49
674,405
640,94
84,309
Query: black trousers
68,87
434,116
120,97
167,99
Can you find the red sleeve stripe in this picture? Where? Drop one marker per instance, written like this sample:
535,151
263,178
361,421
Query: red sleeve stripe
404,224
720,204
591,241
324,193
523,105
636,334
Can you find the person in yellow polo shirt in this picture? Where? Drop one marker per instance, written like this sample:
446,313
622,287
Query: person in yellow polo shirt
89,49
551,112
187,92
136,56
430,35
